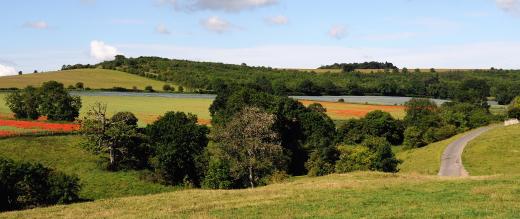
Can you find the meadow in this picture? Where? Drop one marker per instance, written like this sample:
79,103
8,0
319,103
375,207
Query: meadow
91,78
65,153
355,195
494,152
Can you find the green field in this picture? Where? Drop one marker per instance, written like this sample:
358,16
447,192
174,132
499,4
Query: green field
425,160
92,78
494,152
357,195
147,109
65,154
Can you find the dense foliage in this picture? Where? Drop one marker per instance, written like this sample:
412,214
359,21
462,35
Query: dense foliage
51,100
208,77
350,67
373,154
27,185
179,144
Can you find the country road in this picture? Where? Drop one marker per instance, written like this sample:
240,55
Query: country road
451,160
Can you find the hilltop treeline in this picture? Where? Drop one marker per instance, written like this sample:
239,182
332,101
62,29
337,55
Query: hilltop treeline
350,67
208,77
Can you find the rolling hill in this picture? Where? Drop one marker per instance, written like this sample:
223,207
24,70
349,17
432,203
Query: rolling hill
92,78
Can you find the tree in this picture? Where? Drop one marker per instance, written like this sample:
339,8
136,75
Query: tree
24,104
474,91
382,124
421,113
514,113
117,136
373,154
20,72
57,104
250,145
167,87
149,89
35,71
179,144
181,89
80,85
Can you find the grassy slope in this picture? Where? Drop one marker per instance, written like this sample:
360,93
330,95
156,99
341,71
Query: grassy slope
93,78
64,153
494,152
425,160
368,195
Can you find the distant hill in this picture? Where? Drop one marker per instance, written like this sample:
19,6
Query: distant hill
91,78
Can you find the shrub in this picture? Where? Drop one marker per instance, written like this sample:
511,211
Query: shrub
167,87
27,185
217,175
413,138
80,85
57,104
514,113
149,88
353,158
24,104
374,154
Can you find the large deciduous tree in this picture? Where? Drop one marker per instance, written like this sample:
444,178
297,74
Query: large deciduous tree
250,145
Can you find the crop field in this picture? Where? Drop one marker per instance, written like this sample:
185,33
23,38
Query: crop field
319,71
494,152
65,153
362,194
92,78
14,127
147,109
343,111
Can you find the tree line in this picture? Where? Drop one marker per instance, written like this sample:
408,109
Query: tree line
207,77
350,67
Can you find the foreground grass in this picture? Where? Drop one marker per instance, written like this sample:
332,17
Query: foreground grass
65,154
425,160
92,78
367,195
147,109
494,152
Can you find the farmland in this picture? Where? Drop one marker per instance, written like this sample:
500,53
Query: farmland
13,127
147,109
92,78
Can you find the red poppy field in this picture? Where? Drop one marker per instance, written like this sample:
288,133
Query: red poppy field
9,127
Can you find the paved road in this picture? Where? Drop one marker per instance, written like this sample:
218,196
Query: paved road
451,161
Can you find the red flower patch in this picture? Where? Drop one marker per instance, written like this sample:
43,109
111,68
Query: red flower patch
36,127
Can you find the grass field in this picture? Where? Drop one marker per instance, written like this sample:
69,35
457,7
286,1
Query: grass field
65,153
147,109
357,195
343,111
425,160
92,78
494,152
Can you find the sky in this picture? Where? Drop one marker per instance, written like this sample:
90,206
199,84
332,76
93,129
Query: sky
43,35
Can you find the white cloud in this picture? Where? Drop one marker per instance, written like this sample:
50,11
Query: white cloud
37,25
277,20
7,70
216,24
217,5
338,32
101,51
512,6
162,29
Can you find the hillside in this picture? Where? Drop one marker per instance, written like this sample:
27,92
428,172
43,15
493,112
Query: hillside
368,195
209,77
494,152
92,78
64,153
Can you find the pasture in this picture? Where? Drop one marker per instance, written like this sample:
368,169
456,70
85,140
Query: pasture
494,152
91,78
362,194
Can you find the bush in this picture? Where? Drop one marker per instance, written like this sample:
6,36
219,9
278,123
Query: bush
80,85
374,154
167,87
57,104
413,138
24,104
217,176
514,113
27,185
149,89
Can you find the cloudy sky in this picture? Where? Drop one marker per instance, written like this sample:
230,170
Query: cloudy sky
45,34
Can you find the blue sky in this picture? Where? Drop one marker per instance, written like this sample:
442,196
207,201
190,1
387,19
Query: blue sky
44,34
